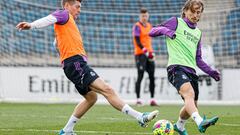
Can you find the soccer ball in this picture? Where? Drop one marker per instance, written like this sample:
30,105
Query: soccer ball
163,127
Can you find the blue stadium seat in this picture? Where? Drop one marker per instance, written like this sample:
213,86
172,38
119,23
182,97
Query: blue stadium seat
231,32
46,2
237,3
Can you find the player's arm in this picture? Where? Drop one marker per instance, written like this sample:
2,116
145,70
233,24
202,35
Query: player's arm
59,16
204,66
40,23
136,34
167,28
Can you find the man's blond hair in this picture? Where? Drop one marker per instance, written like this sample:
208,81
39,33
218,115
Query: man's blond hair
189,5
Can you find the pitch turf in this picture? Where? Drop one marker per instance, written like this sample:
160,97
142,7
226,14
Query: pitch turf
48,119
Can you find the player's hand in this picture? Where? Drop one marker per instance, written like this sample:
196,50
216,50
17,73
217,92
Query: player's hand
23,26
145,51
215,75
151,56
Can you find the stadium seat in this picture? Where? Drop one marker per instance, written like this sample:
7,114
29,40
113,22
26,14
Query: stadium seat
238,3
231,33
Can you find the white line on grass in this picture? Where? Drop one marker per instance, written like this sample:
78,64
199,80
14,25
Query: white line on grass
59,116
225,124
229,125
89,132
106,118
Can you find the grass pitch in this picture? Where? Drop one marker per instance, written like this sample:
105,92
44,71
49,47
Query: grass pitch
48,119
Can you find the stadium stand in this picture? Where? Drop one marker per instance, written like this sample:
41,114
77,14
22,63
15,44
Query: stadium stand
232,37
230,42
133,6
238,3
106,26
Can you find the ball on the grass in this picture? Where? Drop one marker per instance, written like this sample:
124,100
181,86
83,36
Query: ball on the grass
163,127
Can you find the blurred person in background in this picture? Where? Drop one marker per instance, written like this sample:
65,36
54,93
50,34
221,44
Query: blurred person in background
74,61
144,55
184,49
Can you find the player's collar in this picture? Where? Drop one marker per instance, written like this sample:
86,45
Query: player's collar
144,25
189,23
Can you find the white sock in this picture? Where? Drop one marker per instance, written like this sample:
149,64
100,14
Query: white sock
70,124
197,118
130,111
181,123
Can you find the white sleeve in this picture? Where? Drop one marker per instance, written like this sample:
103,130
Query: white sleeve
43,22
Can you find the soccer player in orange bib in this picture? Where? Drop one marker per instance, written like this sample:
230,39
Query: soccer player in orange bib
74,61
144,55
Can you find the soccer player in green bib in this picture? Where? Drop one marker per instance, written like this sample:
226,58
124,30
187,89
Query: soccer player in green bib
184,49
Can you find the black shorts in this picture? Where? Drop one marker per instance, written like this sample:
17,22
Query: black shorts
143,64
178,76
78,72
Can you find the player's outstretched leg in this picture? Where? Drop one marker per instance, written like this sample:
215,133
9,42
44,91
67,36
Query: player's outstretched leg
187,93
79,111
206,123
103,88
179,126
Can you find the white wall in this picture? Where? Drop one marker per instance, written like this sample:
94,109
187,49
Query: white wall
231,85
51,85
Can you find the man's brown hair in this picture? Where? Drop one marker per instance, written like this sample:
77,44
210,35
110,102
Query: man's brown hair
69,1
189,5
143,10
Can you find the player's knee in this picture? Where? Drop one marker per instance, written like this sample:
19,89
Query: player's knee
108,91
140,73
139,79
151,78
189,94
92,98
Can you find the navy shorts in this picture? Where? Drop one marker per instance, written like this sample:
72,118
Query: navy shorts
178,76
143,64
78,72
